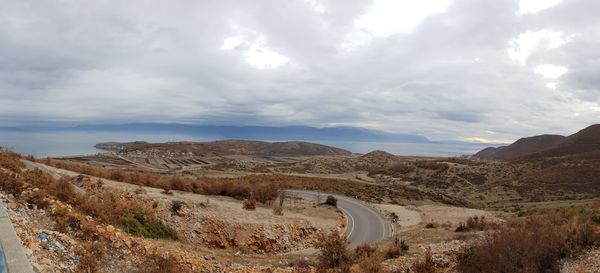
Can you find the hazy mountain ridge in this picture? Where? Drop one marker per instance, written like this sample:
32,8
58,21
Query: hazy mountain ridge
242,132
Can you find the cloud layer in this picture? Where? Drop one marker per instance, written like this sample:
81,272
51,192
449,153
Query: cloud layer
453,70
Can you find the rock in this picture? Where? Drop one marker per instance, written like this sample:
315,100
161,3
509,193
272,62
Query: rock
36,267
110,228
441,261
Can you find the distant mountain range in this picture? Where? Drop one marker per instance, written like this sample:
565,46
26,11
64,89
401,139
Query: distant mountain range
582,142
241,132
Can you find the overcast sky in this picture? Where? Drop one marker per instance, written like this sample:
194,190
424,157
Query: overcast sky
479,70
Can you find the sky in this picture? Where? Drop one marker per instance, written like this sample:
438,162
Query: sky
470,70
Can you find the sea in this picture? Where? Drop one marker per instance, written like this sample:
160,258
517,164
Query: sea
55,144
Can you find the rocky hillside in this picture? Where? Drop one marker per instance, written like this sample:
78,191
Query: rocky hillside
225,147
522,147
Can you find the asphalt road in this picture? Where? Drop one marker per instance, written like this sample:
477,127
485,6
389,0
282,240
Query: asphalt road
365,224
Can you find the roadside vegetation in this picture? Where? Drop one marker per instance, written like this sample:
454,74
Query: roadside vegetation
133,215
535,243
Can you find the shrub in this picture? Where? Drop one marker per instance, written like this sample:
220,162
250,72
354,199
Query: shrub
158,263
63,190
334,250
431,225
426,265
64,220
461,228
11,161
362,251
278,211
249,203
398,248
476,223
10,184
137,224
38,198
176,206
532,246
90,254
371,263
332,201
167,189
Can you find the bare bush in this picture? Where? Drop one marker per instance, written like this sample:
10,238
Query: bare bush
425,265
91,254
334,250
398,248
63,190
163,263
278,211
38,198
249,203
10,184
371,263
531,246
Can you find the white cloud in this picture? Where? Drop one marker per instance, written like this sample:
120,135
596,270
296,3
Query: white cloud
550,71
256,53
529,42
317,7
232,42
262,57
551,85
533,6
388,17
487,140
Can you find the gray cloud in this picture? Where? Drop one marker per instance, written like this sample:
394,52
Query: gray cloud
449,78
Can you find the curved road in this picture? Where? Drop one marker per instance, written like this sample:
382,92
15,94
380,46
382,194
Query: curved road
365,224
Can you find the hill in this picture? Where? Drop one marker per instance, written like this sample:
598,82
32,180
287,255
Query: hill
584,141
371,161
225,147
522,147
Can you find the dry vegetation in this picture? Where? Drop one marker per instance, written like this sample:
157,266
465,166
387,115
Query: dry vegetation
264,187
534,244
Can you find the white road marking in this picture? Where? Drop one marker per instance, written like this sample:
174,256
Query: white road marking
351,219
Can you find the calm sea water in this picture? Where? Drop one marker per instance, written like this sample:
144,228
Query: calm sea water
77,143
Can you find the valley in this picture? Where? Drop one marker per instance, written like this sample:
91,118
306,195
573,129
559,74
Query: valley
249,206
